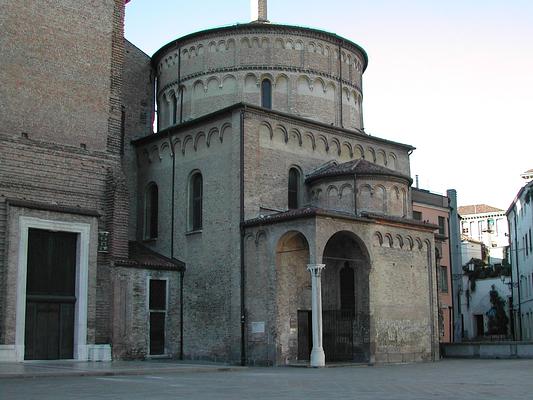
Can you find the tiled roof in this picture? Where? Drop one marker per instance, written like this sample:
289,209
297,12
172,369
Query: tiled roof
360,166
141,256
477,209
305,212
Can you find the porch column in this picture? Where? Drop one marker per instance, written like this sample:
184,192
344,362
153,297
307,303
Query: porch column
318,359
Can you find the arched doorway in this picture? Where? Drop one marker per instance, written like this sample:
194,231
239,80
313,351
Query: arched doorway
293,289
345,299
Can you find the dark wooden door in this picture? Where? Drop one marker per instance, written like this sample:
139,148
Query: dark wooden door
50,295
305,334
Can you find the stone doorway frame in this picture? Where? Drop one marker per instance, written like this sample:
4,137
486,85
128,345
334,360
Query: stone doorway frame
82,272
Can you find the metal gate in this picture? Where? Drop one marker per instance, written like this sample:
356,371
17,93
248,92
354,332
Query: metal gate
337,328
337,334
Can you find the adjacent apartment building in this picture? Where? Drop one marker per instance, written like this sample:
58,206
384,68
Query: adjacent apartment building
439,210
520,218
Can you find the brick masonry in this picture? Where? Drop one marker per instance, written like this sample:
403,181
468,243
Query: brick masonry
62,134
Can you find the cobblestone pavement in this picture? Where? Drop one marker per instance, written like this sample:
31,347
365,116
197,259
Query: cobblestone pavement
449,379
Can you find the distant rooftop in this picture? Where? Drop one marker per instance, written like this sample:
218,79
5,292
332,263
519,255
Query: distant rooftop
477,209
528,175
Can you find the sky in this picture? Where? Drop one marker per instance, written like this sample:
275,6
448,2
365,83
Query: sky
453,78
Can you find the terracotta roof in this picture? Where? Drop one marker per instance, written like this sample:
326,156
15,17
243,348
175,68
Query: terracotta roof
306,212
143,257
358,167
477,209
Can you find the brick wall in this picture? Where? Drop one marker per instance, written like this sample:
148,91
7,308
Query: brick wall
60,121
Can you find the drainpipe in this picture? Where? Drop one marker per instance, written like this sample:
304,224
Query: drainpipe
340,85
243,280
172,225
517,278
180,89
355,194
431,303
182,275
172,201
450,309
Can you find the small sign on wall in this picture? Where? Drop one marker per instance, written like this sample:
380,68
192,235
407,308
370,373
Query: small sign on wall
103,242
258,327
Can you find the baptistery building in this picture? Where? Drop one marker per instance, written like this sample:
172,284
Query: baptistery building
259,224
280,205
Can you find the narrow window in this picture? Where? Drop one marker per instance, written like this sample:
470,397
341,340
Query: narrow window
266,94
442,228
158,310
196,195
294,183
347,288
443,279
417,215
151,212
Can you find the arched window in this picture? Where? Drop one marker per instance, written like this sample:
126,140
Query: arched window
266,94
195,201
347,287
151,214
294,186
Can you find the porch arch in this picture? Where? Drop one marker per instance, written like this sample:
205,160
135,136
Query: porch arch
346,304
293,292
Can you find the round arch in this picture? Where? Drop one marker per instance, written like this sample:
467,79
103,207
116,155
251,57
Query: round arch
293,294
346,298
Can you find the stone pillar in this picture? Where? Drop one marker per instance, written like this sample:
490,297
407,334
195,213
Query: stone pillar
318,359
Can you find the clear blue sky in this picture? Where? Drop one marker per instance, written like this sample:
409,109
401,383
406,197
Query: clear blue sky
454,78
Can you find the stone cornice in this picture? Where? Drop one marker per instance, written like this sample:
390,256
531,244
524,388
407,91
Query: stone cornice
261,68
34,205
50,146
261,29
272,114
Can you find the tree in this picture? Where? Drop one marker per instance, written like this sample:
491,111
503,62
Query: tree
498,321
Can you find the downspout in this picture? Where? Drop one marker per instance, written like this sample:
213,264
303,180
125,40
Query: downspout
172,201
340,85
182,275
172,225
517,278
452,314
355,195
431,303
180,89
241,224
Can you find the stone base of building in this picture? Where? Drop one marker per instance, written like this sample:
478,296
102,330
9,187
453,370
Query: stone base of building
99,352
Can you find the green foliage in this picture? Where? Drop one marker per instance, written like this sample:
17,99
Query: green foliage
498,321
484,271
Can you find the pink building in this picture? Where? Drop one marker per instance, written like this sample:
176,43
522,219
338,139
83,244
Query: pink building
434,209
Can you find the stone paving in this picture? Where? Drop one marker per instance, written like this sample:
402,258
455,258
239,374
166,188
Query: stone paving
449,379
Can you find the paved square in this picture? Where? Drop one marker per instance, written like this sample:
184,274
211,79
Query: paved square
449,379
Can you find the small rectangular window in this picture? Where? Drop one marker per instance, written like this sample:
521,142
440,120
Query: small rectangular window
443,279
157,298
442,226
417,215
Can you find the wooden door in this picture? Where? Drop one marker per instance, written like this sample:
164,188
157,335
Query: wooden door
50,295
